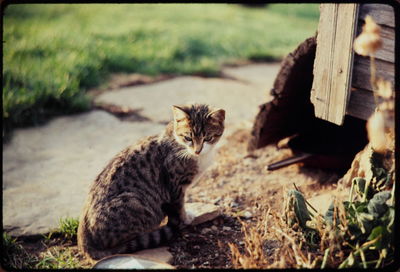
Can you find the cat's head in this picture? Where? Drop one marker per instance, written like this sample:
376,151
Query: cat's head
198,127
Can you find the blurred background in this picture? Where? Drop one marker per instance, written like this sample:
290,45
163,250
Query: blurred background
52,54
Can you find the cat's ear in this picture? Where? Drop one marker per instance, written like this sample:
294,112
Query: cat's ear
179,113
218,114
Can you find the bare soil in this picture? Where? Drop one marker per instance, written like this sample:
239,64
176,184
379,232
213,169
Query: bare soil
240,184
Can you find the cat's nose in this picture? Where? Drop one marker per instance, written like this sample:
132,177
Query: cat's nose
197,152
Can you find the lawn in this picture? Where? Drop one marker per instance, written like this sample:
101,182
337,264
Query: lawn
52,54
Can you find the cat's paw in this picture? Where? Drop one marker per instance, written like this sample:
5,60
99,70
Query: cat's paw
189,217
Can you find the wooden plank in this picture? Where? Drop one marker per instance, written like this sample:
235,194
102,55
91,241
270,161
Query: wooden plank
361,72
361,104
381,13
388,39
333,62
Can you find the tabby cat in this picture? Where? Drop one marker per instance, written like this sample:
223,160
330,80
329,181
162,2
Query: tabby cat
146,182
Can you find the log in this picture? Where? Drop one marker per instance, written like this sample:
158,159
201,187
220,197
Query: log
291,109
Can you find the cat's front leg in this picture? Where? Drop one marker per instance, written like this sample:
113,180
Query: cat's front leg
177,215
186,216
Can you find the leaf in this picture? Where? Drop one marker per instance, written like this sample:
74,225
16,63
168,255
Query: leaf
367,221
361,207
329,214
377,206
385,240
360,185
375,233
299,205
388,219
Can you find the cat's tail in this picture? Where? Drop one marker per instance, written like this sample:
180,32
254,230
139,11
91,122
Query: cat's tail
144,241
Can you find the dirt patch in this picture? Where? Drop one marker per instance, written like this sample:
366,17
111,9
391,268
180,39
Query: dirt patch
123,113
240,184
121,80
205,245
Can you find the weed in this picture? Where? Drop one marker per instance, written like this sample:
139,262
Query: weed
58,257
68,227
14,255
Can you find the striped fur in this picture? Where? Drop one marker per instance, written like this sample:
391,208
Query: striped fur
146,182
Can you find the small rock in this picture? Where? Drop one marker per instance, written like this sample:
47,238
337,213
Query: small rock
214,228
160,254
234,205
226,228
202,212
205,231
217,200
244,214
247,214
241,243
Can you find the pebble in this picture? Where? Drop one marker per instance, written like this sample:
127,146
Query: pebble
241,243
234,205
226,228
247,214
205,231
216,200
214,228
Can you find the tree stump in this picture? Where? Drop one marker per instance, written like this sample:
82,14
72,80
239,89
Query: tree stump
291,110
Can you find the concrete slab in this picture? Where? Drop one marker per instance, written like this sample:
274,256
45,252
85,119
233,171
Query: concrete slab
47,170
240,98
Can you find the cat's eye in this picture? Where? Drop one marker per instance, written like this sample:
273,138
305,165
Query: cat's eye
209,138
188,138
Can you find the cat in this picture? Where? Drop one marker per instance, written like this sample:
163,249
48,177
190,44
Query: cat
146,182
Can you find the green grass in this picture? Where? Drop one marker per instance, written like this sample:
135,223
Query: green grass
53,53
58,249
14,255
57,258
68,227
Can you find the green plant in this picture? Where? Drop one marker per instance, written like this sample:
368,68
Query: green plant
56,258
360,229
14,255
68,227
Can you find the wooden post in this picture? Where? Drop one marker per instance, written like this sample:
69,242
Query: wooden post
333,62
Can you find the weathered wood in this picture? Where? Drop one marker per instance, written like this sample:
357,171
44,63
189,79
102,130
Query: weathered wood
381,13
385,53
290,110
362,73
361,104
333,61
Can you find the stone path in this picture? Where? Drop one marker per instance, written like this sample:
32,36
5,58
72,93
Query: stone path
47,170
